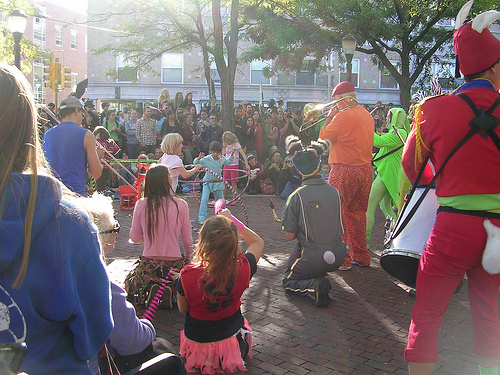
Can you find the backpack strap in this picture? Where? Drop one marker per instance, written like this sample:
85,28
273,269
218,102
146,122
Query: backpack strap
483,120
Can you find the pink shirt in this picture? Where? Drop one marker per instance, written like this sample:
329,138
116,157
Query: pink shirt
170,226
236,155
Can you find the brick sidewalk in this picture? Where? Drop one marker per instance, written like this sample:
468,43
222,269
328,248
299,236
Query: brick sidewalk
363,331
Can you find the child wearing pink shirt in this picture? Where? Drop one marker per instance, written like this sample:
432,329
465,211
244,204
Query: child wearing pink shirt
230,172
159,219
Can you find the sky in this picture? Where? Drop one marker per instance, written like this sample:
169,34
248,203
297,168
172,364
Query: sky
76,5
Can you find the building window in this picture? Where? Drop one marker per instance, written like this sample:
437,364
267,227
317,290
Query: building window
172,67
354,72
445,74
286,79
39,32
387,81
446,22
124,73
38,83
305,79
214,73
322,80
257,72
59,36
74,39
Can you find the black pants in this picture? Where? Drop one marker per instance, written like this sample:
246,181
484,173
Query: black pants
128,362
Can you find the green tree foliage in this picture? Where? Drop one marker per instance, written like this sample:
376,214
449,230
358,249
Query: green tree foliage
408,31
147,29
28,50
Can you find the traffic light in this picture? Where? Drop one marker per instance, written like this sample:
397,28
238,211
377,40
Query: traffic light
66,81
56,73
47,73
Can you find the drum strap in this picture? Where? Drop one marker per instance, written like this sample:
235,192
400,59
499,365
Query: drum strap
489,215
483,123
387,154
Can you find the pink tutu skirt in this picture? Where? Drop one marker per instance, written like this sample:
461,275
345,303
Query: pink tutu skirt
216,357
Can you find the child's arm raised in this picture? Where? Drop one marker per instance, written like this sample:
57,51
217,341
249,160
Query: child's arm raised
255,243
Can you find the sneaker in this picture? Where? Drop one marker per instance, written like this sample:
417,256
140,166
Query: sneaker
321,289
153,291
358,264
166,299
201,222
232,203
344,268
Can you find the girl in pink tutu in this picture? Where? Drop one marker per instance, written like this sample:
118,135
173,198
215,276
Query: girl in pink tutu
216,338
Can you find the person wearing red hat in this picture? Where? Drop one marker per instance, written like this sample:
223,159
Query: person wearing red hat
350,129
458,239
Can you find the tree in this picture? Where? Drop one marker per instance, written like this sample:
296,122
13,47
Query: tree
150,29
410,30
28,50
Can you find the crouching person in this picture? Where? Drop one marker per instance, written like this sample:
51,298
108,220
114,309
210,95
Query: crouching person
132,341
312,215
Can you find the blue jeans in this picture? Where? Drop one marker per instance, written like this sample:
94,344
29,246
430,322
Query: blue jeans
218,194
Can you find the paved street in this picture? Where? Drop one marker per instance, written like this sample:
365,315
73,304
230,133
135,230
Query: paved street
363,331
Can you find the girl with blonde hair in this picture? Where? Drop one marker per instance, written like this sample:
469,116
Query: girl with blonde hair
230,172
164,98
172,147
216,337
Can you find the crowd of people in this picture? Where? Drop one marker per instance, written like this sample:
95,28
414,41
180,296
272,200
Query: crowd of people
332,185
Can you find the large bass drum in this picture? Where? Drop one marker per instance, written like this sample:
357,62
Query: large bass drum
403,256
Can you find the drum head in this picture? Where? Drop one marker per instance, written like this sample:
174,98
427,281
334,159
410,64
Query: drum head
401,264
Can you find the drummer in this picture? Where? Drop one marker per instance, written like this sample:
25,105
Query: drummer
458,238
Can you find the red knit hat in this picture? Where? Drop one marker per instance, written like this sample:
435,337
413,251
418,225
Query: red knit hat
343,88
476,51
476,48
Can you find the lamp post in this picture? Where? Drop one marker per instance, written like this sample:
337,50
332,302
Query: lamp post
349,46
17,24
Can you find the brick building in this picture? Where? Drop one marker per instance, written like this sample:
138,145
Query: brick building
58,29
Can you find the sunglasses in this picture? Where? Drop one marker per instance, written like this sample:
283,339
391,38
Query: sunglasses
115,229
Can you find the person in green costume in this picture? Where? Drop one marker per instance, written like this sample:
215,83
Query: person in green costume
385,186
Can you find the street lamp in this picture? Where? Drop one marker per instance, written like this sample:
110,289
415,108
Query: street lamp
17,24
349,46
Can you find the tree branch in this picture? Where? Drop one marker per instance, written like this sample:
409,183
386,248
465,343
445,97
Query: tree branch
421,64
